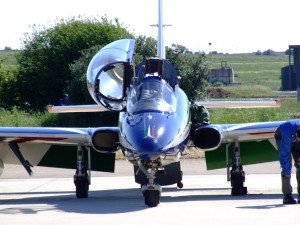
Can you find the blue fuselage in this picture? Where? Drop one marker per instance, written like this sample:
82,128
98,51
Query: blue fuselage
149,135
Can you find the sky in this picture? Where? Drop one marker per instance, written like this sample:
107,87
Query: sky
231,26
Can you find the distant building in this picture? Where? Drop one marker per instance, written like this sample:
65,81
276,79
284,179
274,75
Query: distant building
224,74
290,75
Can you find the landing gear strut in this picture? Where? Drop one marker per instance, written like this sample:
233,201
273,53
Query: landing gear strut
151,191
237,174
15,148
82,175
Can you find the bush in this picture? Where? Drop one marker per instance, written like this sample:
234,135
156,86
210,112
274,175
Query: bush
44,73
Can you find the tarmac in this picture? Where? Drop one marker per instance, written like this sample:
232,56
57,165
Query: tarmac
48,198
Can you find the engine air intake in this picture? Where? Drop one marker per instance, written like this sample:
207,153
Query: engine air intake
206,138
105,141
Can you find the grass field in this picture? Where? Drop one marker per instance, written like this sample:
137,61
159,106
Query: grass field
248,69
259,77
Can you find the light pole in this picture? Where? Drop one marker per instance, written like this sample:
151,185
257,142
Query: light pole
210,52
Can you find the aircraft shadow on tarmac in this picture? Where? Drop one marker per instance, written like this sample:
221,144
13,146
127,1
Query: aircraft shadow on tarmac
118,200
225,196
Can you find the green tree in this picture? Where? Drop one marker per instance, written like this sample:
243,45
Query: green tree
79,95
175,51
269,52
194,71
145,47
44,72
8,98
78,72
175,55
54,60
258,53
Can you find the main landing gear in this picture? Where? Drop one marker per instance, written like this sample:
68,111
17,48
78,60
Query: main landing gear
237,174
82,177
151,191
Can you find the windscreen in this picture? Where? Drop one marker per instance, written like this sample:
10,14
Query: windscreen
152,94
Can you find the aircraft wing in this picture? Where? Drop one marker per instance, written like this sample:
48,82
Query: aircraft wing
249,131
76,108
51,147
256,142
240,104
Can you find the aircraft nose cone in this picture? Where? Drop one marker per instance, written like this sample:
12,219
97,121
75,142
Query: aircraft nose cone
147,134
148,144
149,148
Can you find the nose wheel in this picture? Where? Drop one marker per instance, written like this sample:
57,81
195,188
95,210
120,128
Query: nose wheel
151,195
151,191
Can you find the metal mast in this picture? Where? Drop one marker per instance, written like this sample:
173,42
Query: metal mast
160,39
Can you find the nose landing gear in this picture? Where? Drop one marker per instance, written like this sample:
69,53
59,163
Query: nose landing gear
151,191
152,194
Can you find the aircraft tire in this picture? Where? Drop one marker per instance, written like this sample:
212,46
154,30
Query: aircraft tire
237,183
179,184
152,198
82,188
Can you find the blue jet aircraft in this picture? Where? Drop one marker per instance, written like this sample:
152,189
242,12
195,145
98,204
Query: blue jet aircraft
154,129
